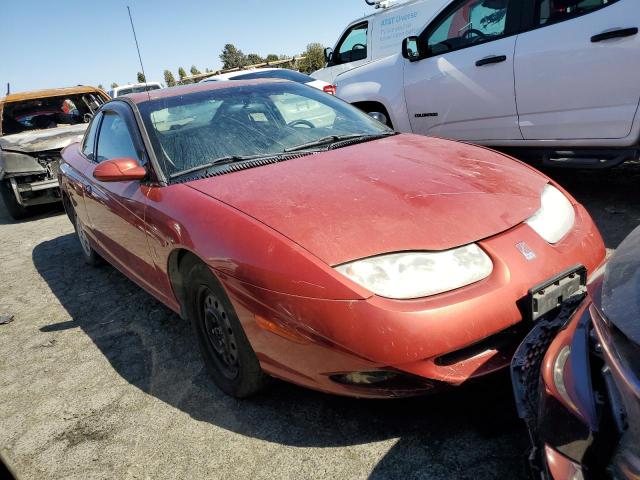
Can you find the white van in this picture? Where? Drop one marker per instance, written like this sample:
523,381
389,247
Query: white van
134,88
559,79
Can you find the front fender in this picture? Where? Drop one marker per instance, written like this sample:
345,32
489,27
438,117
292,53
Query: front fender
14,164
379,81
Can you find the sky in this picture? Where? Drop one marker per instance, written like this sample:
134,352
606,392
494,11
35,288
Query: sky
57,43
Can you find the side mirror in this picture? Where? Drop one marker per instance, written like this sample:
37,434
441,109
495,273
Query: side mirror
379,116
119,170
328,54
411,49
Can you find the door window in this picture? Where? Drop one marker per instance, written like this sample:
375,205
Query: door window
353,46
90,138
554,11
114,140
469,23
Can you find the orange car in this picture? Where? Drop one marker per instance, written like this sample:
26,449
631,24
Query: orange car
307,241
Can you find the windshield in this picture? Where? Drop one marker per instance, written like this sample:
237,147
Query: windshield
49,112
137,89
267,119
281,73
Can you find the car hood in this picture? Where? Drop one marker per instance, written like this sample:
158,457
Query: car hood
399,193
620,300
43,140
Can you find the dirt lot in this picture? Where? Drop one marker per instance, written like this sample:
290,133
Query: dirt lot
98,380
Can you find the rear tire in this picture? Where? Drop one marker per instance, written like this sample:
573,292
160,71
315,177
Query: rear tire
16,211
88,253
225,349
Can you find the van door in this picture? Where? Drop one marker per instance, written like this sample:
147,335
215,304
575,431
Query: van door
353,50
578,71
463,85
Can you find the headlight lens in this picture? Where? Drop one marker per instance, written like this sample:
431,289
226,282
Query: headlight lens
558,375
419,274
556,216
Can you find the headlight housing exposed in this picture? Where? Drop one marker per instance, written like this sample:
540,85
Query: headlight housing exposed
555,218
410,275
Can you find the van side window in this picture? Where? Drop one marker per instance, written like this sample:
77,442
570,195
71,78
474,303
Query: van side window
353,46
469,23
554,11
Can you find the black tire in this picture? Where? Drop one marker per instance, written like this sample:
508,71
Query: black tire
88,253
16,211
225,349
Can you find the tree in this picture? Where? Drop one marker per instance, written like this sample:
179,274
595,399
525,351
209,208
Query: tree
100,86
169,79
194,70
181,73
254,59
114,85
314,58
141,78
272,57
231,57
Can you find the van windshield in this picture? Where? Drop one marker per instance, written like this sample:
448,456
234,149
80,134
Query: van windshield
268,119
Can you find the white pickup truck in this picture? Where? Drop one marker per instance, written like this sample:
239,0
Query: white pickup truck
556,80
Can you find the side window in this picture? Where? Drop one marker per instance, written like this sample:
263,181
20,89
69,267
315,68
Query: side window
353,46
114,139
471,22
554,11
90,137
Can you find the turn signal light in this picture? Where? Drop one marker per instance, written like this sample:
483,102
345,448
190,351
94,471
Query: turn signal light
330,89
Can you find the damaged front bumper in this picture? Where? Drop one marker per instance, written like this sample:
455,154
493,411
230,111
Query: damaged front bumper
528,388
33,178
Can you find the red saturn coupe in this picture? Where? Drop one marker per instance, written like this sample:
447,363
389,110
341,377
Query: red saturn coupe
306,241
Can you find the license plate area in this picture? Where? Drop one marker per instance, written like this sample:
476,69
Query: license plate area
553,293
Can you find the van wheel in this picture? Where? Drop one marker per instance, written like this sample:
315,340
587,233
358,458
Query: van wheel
16,211
225,349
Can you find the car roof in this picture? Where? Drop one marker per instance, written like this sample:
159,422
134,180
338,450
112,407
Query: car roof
228,75
198,87
382,11
51,92
133,85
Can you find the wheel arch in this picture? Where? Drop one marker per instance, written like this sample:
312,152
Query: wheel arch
178,261
374,106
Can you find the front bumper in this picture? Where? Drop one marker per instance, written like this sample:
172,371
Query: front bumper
30,192
446,339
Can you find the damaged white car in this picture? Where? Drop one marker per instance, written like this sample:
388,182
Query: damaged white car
34,128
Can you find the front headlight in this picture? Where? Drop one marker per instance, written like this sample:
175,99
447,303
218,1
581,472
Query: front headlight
419,274
556,216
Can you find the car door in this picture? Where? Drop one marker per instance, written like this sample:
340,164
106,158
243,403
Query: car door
352,51
74,168
461,86
577,71
116,210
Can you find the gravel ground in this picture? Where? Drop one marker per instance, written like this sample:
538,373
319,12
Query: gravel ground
98,380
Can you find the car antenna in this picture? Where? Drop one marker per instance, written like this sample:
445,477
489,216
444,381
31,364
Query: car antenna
146,86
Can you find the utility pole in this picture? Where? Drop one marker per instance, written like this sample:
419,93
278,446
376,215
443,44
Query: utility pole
8,88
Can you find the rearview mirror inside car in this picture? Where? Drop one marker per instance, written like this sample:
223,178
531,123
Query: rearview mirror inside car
119,170
411,48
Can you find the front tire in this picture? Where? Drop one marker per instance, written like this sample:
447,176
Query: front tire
225,349
16,211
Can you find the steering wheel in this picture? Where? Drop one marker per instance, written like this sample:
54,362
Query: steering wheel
477,33
306,123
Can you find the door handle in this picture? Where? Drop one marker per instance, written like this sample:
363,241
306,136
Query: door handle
490,60
623,32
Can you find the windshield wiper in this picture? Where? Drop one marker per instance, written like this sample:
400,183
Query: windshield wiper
218,161
333,139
